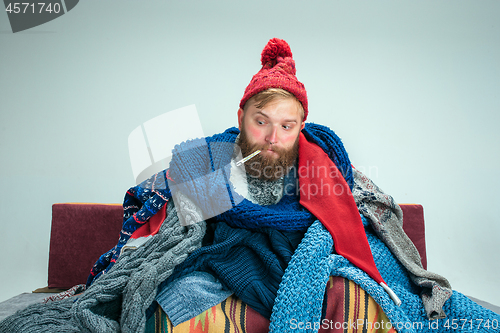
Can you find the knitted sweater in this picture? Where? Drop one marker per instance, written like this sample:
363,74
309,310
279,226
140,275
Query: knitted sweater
250,263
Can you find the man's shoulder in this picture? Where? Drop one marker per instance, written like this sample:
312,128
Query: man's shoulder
314,128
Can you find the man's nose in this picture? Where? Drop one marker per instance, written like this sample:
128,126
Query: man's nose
272,136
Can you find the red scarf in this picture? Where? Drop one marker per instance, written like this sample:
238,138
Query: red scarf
325,193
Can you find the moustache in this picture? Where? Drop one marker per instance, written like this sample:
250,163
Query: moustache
266,147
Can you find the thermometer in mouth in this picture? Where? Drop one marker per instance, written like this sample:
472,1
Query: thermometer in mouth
240,162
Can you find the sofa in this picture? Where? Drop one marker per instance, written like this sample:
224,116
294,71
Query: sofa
81,232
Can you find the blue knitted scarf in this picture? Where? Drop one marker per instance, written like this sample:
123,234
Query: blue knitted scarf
200,169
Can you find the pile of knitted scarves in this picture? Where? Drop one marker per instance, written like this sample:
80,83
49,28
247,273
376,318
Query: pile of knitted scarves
123,286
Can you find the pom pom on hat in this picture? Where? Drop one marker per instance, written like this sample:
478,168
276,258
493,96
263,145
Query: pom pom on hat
278,71
275,48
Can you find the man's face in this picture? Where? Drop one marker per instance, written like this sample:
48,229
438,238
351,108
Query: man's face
274,130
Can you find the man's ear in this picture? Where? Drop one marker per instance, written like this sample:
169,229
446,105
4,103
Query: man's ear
302,126
241,113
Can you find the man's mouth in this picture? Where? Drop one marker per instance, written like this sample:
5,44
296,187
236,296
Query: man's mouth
271,151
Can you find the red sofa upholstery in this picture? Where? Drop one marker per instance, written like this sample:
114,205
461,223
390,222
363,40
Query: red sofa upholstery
82,232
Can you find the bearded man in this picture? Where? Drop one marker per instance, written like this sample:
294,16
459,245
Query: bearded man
294,239
265,258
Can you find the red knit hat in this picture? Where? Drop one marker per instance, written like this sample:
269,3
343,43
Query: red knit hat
278,71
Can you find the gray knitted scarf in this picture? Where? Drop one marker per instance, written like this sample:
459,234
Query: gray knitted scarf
118,300
386,218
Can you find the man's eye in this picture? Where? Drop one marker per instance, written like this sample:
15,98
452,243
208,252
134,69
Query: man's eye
287,127
260,122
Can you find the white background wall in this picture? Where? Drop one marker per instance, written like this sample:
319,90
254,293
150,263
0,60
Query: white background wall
412,88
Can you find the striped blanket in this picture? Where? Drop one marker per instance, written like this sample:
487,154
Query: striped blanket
349,309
